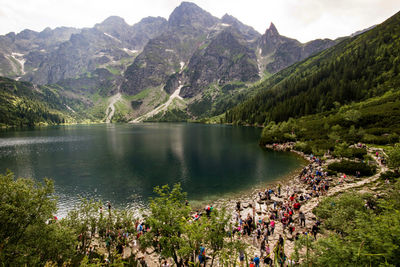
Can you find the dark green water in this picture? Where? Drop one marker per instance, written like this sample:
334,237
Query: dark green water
123,162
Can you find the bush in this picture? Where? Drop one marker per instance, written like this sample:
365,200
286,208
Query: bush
303,147
358,153
351,167
391,176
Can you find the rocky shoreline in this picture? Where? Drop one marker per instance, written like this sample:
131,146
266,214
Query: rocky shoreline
255,205
259,205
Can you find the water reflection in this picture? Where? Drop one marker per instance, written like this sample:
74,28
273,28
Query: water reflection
122,163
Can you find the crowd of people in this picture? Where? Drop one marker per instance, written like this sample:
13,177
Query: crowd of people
279,207
284,209
273,219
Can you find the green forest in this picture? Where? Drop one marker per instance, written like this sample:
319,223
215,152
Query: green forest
355,70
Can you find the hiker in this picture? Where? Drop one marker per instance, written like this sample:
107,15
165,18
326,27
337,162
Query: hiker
165,264
241,257
315,231
202,255
142,262
262,248
272,224
302,218
256,261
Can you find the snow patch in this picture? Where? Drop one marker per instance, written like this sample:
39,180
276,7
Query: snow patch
130,51
182,64
19,57
69,108
169,50
225,25
112,37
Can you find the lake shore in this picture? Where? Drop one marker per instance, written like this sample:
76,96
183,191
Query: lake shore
291,184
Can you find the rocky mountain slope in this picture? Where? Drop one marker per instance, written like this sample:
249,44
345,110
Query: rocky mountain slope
52,55
355,70
210,60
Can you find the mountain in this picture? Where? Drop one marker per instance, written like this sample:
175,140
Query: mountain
227,58
62,53
201,63
164,55
278,52
190,15
135,36
355,70
248,32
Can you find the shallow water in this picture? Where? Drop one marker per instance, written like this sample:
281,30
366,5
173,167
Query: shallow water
123,162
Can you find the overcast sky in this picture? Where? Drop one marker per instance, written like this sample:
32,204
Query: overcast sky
301,19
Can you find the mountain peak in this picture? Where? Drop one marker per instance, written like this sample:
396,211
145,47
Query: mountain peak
188,13
272,29
113,21
227,17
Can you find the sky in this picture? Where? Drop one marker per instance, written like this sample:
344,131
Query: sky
301,19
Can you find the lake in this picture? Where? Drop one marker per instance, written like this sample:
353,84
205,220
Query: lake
122,163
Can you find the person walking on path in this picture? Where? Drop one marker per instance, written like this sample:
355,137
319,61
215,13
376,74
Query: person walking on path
302,219
256,261
315,231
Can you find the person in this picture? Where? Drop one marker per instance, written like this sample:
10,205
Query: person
241,257
208,210
302,219
143,262
272,224
279,189
315,231
262,248
256,261
267,261
280,240
165,264
202,255
238,206
251,263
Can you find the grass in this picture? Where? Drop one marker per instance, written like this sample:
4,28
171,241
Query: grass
141,95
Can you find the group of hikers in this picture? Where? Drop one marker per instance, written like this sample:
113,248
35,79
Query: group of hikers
284,208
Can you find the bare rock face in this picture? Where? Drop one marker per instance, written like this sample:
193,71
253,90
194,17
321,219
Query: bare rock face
189,14
226,58
284,51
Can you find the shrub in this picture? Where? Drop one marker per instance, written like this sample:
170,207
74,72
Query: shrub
351,167
391,176
303,147
358,153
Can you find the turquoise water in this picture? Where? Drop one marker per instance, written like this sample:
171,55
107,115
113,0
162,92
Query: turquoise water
122,163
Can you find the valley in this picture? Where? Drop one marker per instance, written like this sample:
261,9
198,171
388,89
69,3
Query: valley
211,60
275,150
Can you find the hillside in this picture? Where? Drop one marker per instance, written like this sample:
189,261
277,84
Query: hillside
355,70
25,104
